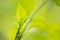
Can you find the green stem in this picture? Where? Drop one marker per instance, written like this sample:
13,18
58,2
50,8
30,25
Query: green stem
28,20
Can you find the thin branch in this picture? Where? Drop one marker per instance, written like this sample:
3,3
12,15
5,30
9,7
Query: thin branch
28,20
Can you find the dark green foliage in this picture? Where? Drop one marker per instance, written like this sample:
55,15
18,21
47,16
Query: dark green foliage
57,2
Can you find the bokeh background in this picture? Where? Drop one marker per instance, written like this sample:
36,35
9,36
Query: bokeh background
44,26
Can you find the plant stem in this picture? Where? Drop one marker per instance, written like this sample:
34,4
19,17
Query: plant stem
28,20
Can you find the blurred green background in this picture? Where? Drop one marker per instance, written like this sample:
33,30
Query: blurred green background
45,26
